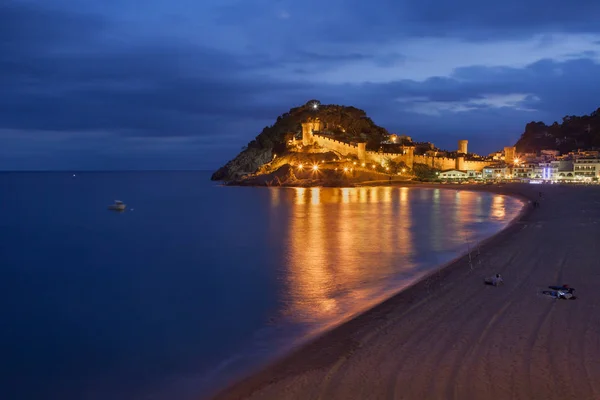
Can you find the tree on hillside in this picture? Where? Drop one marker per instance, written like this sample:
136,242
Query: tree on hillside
424,172
396,167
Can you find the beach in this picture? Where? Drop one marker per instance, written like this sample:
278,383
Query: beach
451,337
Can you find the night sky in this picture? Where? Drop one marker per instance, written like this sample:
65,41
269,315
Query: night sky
123,84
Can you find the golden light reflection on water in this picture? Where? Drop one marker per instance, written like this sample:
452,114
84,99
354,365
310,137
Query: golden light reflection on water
345,246
436,220
345,195
333,253
362,195
498,207
300,195
275,196
387,194
315,194
403,194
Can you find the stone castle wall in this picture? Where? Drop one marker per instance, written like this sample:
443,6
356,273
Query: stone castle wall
378,158
441,163
476,165
309,137
343,148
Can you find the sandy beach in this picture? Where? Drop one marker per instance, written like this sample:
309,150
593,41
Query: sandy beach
452,337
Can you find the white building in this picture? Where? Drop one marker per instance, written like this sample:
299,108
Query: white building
475,174
524,170
496,172
547,171
586,169
454,174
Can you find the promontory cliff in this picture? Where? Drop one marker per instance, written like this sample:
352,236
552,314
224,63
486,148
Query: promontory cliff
345,124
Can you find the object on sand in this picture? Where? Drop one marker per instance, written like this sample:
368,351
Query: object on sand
495,280
563,292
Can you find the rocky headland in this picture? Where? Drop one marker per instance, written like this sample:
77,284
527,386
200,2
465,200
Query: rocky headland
278,157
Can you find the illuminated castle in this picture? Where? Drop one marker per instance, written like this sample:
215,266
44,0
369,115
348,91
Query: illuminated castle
311,135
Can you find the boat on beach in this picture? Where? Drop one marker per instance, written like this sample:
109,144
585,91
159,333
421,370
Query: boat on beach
117,206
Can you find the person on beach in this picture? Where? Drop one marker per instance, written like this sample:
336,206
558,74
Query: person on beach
494,280
497,280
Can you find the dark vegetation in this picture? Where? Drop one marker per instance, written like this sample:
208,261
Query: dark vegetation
348,124
572,134
424,172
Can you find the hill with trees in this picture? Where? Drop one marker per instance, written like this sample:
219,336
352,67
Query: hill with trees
573,133
347,124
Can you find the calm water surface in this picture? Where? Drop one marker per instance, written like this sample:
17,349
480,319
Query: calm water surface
196,283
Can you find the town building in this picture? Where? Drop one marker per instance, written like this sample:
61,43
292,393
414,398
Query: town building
586,169
499,171
453,174
456,174
524,170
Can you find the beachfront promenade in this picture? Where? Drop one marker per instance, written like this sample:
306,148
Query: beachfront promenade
451,337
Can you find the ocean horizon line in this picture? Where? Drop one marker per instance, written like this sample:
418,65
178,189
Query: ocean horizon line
101,170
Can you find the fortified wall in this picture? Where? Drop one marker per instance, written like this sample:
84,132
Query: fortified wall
443,163
343,148
407,156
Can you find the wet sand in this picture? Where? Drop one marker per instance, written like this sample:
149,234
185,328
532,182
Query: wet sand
452,337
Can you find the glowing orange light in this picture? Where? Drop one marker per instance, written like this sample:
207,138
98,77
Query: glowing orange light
300,166
373,166
345,169
315,167
363,164
387,168
403,170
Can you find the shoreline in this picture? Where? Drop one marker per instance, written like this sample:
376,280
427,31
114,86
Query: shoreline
336,341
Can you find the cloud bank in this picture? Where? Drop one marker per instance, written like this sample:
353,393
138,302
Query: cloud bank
111,86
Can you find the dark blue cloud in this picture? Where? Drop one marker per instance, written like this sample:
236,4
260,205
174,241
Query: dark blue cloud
116,86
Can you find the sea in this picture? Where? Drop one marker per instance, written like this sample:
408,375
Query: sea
196,284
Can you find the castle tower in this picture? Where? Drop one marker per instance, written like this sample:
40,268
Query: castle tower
307,133
462,146
308,128
460,163
317,125
410,156
362,152
510,154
